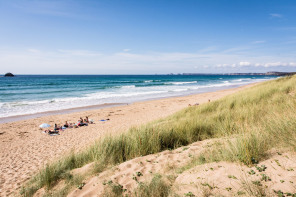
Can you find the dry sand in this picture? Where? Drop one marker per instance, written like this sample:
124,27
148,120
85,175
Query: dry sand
25,149
213,179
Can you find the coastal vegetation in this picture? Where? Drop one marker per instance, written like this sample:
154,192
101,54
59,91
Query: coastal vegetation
247,124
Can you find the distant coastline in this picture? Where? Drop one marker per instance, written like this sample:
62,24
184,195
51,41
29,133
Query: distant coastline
272,73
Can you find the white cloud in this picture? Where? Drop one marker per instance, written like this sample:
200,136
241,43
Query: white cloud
126,50
244,63
33,50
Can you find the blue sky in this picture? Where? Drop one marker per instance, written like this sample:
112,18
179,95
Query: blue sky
147,37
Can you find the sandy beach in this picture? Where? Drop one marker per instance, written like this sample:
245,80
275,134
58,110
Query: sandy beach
25,149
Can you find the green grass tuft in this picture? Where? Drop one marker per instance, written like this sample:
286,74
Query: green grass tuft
157,187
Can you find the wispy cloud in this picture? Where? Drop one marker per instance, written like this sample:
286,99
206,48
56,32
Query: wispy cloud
208,49
35,61
258,42
287,28
79,52
68,9
237,49
275,15
33,50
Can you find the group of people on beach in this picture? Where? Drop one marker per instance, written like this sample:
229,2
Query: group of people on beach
81,122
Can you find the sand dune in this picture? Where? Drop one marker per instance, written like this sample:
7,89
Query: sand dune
222,178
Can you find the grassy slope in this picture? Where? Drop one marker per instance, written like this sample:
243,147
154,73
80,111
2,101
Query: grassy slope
257,119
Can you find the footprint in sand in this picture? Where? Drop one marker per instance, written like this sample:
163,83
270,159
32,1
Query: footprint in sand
129,165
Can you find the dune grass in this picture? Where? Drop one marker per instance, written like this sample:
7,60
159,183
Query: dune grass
158,186
255,119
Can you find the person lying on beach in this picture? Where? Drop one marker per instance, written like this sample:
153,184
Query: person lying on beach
81,123
50,131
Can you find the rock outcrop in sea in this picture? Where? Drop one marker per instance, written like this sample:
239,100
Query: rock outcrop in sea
9,75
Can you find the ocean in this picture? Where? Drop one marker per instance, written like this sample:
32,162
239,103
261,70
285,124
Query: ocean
31,94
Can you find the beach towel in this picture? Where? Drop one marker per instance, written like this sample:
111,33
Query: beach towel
105,120
54,134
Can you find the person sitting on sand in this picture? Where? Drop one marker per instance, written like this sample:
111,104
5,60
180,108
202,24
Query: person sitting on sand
66,124
56,128
71,125
86,119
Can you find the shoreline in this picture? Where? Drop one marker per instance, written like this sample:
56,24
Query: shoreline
25,149
16,118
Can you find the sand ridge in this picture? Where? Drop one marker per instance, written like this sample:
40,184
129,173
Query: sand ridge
25,149
210,179
125,173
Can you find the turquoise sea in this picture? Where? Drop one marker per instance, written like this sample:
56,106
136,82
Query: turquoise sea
29,94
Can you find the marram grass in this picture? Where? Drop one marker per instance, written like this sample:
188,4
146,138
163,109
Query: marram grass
256,119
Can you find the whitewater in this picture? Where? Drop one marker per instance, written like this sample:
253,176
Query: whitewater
30,94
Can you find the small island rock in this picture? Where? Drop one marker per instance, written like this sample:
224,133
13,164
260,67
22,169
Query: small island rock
9,75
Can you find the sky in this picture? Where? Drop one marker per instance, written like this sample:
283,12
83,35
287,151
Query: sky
147,36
